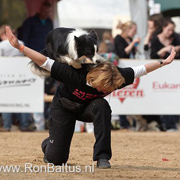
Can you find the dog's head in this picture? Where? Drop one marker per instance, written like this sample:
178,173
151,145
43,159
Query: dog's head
84,44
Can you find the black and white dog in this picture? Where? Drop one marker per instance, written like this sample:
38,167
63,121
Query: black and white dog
69,46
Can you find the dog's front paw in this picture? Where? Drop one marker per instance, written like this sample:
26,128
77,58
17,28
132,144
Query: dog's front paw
76,65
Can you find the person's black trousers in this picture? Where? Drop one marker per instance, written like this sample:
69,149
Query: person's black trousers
61,128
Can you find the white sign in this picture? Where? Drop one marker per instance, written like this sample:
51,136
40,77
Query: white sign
20,89
155,93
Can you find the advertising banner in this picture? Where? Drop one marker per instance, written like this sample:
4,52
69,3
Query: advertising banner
155,93
20,89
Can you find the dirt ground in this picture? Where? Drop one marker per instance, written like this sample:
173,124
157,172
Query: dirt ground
136,155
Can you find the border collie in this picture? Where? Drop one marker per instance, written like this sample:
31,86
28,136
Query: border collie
71,46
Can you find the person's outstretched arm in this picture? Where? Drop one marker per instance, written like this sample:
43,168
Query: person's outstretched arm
149,67
33,55
157,64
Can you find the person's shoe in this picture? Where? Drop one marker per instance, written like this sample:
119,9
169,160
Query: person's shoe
45,160
103,164
29,128
2,129
43,147
44,144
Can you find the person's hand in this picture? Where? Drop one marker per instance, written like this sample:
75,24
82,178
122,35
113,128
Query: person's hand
137,40
12,38
177,48
170,58
168,48
164,50
151,30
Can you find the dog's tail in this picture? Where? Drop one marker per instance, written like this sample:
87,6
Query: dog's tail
44,52
38,70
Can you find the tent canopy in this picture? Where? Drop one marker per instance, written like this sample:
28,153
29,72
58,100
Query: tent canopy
169,7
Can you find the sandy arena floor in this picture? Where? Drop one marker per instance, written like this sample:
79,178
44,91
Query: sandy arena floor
135,156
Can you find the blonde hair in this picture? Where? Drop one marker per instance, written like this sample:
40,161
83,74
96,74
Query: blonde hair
105,76
125,26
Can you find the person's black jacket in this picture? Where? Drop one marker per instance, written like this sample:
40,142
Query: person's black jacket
156,45
34,32
120,44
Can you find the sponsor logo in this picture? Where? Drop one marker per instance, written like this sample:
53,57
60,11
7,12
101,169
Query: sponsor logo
130,91
12,80
165,86
16,83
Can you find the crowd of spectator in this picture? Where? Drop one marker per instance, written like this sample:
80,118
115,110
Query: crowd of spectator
33,34
159,40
